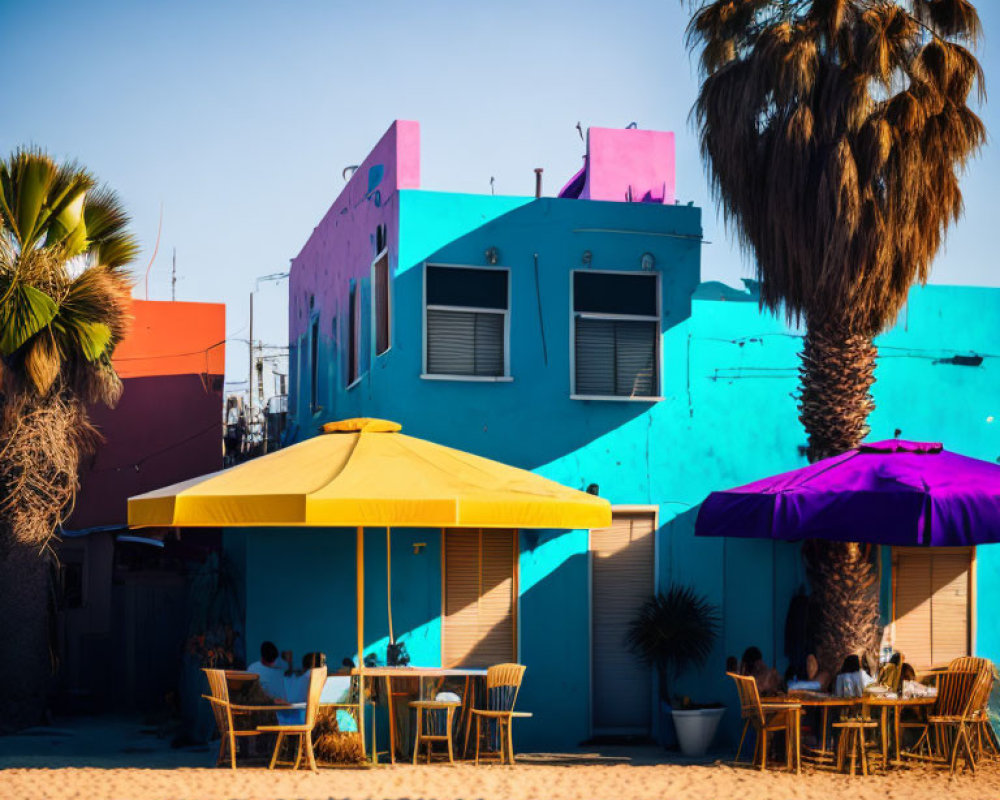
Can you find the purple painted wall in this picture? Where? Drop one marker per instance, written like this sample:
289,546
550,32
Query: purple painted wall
625,165
343,245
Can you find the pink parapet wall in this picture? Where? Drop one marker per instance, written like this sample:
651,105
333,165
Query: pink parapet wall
626,165
342,246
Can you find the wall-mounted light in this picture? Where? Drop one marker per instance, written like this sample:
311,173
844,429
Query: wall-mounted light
492,255
647,262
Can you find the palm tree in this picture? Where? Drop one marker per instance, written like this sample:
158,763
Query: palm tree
63,307
834,132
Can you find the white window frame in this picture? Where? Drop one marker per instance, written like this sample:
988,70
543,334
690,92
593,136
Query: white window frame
658,395
506,377
388,304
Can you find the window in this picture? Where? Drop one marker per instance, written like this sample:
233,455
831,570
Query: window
353,337
314,366
616,335
931,602
480,591
380,291
466,324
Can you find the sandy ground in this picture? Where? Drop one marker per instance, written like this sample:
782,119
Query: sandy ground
523,782
123,761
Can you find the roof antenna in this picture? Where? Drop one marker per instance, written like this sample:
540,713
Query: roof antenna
492,181
632,126
579,130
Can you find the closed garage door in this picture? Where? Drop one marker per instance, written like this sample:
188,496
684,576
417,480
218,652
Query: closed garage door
622,574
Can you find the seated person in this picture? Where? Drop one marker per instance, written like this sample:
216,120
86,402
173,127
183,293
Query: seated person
270,672
852,679
296,688
768,679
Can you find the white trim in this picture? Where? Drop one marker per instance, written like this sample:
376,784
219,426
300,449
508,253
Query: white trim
639,318
388,304
617,398
355,382
424,373
471,378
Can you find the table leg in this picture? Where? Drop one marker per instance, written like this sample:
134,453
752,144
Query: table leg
361,712
884,730
822,739
468,717
896,729
392,721
798,742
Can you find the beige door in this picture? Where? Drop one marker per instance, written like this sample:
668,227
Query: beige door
622,575
480,598
931,604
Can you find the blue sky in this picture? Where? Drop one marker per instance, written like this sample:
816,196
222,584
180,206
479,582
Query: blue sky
237,118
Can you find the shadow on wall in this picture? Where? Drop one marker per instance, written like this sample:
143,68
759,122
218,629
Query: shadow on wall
529,421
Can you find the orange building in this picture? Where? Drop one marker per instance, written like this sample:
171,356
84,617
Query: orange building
125,596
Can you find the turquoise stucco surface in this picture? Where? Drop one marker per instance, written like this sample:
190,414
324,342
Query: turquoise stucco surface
727,416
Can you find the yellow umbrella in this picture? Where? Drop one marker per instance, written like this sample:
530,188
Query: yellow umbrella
364,473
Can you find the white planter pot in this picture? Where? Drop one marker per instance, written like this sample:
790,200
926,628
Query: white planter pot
696,729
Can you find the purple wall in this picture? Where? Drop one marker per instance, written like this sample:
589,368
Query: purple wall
343,245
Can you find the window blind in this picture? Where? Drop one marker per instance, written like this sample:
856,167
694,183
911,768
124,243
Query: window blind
478,629
465,343
931,604
615,358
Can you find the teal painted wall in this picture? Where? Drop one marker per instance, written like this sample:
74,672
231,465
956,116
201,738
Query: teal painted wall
728,415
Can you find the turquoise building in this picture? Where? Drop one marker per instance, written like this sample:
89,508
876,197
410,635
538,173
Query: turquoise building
572,336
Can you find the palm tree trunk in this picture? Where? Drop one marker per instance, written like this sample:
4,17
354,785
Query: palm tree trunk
40,444
837,372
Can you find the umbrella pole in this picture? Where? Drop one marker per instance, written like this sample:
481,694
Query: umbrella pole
388,580
360,589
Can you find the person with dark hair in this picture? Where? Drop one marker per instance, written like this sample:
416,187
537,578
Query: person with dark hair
852,679
752,663
270,673
732,665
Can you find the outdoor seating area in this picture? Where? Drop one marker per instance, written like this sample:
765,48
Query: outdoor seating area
483,710
885,728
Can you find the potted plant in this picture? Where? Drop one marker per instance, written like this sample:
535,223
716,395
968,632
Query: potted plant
674,631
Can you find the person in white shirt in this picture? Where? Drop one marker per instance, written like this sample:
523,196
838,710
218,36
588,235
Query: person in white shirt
852,680
270,671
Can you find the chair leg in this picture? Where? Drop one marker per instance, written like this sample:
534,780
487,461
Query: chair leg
420,730
222,750
232,749
510,741
451,754
743,736
763,750
864,753
298,751
479,736
277,749
310,753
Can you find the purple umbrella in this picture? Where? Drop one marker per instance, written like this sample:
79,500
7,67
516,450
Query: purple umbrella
893,492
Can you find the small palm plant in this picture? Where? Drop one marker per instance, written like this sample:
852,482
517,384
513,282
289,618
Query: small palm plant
674,631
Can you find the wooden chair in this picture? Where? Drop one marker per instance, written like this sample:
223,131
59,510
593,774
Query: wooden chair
503,682
986,738
226,714
852,741
766,719
434,709
317,679
962,697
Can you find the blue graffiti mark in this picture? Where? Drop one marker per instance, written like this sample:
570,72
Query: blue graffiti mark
375,175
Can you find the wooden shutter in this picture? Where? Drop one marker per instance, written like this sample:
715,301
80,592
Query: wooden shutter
622,575
380,285
479,627
931,604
